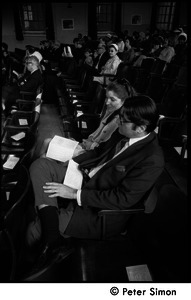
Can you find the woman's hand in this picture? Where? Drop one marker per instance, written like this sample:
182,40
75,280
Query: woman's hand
86,144
59,190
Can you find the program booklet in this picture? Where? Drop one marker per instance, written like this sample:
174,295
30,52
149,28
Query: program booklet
61,148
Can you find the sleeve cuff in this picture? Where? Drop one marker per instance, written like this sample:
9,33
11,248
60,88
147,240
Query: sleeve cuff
79,197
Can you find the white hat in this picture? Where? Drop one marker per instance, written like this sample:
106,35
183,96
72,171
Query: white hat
114,46
183,34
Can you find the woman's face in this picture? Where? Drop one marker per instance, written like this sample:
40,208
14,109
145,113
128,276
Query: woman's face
112,52
112,101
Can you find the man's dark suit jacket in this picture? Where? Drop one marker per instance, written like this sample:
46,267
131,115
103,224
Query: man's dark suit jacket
104,58
33,81
119,184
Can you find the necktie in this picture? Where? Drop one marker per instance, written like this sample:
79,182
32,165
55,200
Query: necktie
108,157
120,145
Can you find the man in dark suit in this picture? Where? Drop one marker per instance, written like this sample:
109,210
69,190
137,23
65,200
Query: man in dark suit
28,83
113,178
101,59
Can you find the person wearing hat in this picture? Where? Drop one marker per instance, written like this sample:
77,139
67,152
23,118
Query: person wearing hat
110,66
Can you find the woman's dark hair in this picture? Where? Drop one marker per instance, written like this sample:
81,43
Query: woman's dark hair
141,110
129,88
122,88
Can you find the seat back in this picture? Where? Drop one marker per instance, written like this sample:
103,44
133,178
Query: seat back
98,100
122,70
13,223
146,205
158,67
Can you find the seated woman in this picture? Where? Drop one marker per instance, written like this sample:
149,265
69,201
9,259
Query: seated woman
110,66
116,94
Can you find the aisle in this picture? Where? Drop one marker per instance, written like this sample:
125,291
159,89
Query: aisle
50,124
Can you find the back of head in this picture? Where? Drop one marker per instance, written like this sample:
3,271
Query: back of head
141,110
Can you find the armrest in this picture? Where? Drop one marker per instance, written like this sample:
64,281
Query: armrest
88,115
82,103
106,212
77,93
73,86
25,101
20,128
27,93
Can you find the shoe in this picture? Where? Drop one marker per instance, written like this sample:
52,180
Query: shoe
50,254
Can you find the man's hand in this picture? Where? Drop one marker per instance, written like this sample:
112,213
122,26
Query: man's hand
60,190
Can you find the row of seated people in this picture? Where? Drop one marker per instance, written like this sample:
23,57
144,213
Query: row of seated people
164,82
121,106
132,49
116,93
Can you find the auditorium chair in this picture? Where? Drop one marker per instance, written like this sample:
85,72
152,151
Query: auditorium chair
141,74
162,78
14,200
93,260
87,116
12,154
146,205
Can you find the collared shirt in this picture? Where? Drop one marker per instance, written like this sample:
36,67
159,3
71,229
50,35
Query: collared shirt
96,169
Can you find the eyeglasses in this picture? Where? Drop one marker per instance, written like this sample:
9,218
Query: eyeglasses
123,121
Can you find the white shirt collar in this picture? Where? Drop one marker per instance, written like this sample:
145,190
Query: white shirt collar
134,140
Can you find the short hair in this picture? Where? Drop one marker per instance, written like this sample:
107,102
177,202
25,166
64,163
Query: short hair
141,110
33,59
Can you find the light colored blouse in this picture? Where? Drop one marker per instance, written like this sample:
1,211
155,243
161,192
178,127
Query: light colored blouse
109,68
104,131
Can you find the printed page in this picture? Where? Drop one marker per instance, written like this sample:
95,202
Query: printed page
73,177
138,273
18,136
23,122
61,149
11,162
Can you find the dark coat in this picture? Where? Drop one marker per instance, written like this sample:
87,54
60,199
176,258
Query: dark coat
104,58
33,81
119,184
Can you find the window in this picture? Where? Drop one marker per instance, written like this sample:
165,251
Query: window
104,16
165,15
33,18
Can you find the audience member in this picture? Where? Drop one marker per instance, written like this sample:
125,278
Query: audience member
180,50
111,65
88,57
116,94
114,178
101,58
28,83
127,56
168,52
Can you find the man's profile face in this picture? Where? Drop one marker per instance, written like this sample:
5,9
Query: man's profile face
126,127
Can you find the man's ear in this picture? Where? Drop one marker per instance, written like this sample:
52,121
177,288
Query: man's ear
141,128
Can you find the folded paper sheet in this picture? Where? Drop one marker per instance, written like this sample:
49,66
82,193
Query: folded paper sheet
61,149
73,177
